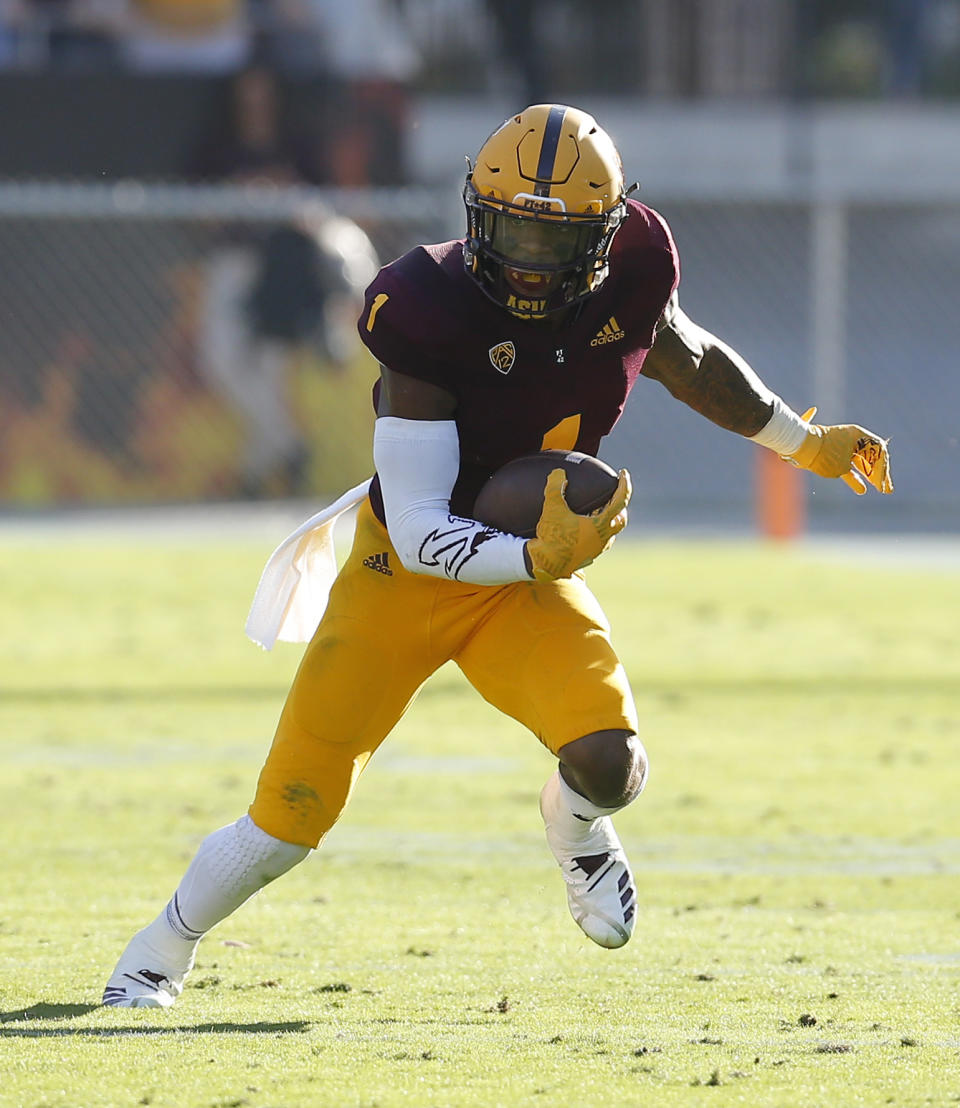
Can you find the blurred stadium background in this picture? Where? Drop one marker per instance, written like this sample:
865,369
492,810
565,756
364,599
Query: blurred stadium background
182,245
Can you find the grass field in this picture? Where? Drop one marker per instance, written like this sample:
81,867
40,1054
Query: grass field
797,850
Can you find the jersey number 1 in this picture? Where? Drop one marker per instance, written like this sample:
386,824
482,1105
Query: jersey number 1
378,302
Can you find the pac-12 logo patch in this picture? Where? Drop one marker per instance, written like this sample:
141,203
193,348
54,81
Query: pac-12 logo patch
502,356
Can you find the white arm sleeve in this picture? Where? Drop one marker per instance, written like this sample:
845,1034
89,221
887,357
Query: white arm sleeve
418,462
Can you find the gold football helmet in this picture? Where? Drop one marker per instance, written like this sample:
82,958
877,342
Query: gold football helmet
543,200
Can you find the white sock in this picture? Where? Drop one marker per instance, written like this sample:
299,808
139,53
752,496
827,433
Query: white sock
569,814
172,950
230,866
580,808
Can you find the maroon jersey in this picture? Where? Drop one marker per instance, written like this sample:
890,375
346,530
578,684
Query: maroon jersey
522,385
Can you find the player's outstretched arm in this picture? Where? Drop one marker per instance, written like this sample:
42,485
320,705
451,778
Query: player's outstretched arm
565,541
706,374
710,377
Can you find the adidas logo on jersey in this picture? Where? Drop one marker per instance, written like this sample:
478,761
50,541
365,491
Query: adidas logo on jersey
610,332
379,562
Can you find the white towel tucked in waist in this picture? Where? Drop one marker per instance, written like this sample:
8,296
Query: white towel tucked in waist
295,584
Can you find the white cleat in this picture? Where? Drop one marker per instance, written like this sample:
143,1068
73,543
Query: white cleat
600,887
144,978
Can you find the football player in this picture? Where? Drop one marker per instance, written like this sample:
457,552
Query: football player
528,334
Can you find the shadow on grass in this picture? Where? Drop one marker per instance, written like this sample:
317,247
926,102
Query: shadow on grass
289,1028
11,1025
48,1012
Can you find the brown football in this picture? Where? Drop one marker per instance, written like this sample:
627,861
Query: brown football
512,499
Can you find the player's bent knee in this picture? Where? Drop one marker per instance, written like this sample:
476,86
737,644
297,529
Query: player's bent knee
608,767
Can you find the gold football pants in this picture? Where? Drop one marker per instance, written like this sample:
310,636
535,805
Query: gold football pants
541,653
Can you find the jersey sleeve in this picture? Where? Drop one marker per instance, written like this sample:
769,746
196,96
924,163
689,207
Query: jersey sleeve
662,238
650,267
397,324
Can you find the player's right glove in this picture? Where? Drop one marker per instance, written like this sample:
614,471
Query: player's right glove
845,450
565,541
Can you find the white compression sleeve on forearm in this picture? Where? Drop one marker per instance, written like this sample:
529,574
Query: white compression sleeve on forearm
418,462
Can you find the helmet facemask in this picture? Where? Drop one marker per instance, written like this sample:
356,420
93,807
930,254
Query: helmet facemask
535,262
543,203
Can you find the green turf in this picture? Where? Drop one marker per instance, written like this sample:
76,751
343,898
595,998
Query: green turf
797,851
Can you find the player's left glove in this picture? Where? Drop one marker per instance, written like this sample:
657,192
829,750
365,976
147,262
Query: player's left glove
847,451
565,541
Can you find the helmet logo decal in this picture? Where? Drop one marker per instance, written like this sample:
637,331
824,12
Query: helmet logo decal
540,203
502,356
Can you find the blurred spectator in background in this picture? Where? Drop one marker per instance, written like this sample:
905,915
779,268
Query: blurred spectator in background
242,344
363,47
290,36
273,290
11,21
517,25
143,36
906,35
254,142
70,35
872,48
186,36
81,35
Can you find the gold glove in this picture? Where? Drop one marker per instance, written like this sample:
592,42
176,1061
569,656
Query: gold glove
565,541
845,450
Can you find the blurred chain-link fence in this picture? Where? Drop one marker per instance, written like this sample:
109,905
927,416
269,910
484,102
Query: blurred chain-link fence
180,343
177,344
840,303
